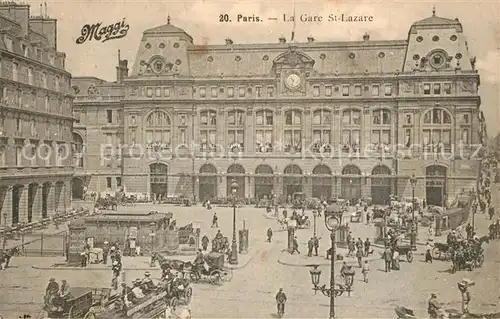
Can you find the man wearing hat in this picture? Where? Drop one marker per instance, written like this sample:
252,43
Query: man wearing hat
463,287
112,253
105,252
147,283
433,307
52,287
116,268
280,300
137,291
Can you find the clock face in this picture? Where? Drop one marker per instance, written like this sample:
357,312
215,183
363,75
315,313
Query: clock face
332,222
292,80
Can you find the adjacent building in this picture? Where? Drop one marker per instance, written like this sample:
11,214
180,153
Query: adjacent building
348,119
36,120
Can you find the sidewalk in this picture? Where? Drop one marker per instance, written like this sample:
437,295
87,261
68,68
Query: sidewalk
135,263
303,261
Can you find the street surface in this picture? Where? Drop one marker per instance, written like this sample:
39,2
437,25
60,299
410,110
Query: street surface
251,293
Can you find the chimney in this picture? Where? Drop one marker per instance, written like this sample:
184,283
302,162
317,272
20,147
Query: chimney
282,40
229,41
121,69
366,37
310,39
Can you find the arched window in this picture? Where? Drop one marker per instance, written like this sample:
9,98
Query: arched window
293,131
322,125
381,130
78,149
351,131
264,121
208,131
437,130
236,130
158,130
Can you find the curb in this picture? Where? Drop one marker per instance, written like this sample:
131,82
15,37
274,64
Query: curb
239,266
326,264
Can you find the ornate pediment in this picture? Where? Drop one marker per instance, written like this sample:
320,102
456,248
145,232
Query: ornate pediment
293,59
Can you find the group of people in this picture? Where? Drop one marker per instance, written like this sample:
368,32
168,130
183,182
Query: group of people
434,308
56,296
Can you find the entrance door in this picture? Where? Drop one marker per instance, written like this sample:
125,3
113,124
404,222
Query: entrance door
158,174
381,190
208,187
351,188
263,187
77,188
322,187
292,189
435,185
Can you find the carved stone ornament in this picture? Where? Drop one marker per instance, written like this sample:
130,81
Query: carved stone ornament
133,91
221,111
92,90
277,112
249,112
336,112
467,86
407,87
293,58
307,111
182,91
366,111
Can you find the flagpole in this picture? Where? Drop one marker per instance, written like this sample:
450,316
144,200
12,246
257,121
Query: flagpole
294,23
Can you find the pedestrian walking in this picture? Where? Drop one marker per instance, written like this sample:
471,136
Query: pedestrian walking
215,223
316,245
428,255
368,217
395,259
463,287
295,247
359,255
387,258
269,234
83,259
105,252
310,246
352,247
491,212
365,271
204,242
367,246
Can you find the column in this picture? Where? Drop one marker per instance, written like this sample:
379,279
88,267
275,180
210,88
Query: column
249,132
23,204
37,203
7,207
50,199
337,135
367,187
62,197
251,187
333,185
221,129
278,132
196,183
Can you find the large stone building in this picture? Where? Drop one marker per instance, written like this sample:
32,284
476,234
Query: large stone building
36,118
349,119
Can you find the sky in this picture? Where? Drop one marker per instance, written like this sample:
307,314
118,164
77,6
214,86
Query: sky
200,19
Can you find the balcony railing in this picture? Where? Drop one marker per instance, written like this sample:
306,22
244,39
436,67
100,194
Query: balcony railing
264,147
321,148
235,147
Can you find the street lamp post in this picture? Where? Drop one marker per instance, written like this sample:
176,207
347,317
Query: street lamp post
413,239
197,228
152,235
315,214
333,219
233,259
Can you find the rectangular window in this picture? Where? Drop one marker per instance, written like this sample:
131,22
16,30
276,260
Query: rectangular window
19,127
109,115
264,141
464,137
166,91
182,136
51,59
427,88
270,91
149,92
465,119
158,92
345,90
328,90
38,54
47,104
108,182
14,72
375,90
258,91
316,90
230,91
447,88
109,138
57,83
408,118
118,182
388,89
214,91
357,90
236,140
437,88
208,140
241,91
407,139
203,92
8,43
30,76
44,80
19,156
132,136
293,141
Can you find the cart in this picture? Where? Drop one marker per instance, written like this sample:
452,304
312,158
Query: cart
75,307
441,250
212,269
406,249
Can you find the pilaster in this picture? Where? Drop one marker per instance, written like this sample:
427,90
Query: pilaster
50,199
250,132
7,207
23,204
37,203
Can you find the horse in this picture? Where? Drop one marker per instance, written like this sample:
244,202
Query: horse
165,263
6,255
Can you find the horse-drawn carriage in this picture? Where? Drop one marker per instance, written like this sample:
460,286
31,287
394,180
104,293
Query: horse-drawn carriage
213,269
441,250
298,200
406,250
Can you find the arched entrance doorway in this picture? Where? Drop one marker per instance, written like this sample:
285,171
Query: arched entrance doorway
78,150
77,188
435,185
208,182
45,199
351,182
236,172
158,176
32,189
16,197
381,185
292,181
264,181
322,182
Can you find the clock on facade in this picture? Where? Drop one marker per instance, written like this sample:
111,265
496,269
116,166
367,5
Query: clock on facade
438,60
292,80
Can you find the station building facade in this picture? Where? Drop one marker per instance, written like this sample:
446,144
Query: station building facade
36,165
347,119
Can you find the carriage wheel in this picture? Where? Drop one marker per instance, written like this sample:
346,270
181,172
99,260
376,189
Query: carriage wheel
89,315
409,256
227,274
188,294
215,277
307,224
436,253
174,302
